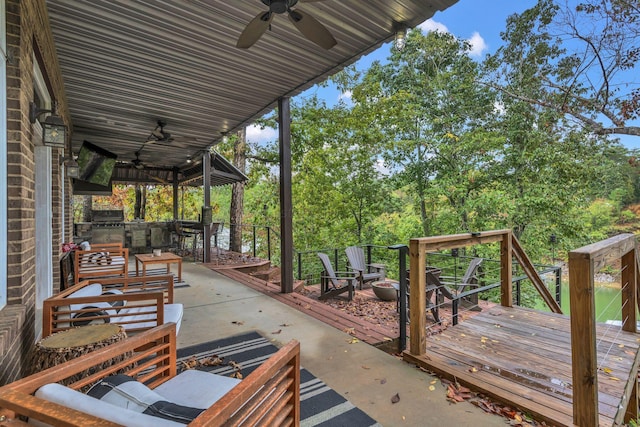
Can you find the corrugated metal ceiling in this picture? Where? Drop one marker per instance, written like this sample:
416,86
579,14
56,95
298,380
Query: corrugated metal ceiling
128,63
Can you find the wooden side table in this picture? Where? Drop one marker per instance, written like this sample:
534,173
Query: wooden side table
165,258
72,343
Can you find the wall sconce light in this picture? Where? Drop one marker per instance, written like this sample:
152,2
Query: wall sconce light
225,137
189,160
401,36
54,131
71,167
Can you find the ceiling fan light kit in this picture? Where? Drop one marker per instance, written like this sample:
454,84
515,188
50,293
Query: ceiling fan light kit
310,27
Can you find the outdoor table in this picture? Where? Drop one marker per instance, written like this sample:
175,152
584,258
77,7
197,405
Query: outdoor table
72,343
164,258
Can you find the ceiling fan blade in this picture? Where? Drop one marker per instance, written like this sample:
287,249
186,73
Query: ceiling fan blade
312,29
254,30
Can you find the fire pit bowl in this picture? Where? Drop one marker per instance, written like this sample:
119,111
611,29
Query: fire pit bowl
386,290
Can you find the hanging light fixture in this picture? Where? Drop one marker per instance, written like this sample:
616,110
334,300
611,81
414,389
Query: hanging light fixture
54,131
401,36
71,167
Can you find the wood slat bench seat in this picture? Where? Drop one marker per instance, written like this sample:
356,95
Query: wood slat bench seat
102,260
271,392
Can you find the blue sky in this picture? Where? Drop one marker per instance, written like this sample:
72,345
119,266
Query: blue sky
479,22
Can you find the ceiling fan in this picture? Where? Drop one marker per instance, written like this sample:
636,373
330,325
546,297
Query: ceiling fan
310,27
158,134
137,163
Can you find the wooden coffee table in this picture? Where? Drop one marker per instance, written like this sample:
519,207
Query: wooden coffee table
165,258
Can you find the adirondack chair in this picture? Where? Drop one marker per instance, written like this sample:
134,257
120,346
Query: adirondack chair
331,284
469,281
365,272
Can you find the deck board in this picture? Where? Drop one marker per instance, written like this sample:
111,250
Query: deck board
522,357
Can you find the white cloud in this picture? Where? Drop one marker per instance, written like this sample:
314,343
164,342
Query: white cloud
256,134
381,168
431,25
478,45
345,96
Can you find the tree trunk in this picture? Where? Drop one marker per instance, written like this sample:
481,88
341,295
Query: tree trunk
237,194
137,209
87,204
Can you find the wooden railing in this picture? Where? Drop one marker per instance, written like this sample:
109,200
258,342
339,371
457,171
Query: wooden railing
510,248
583,263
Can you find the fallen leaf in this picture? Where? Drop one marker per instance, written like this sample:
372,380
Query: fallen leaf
365,367
473,369
432,388
285,325
235,322
353,341
395,398
387,339
277,332
614,379
620,345
607,370
433,381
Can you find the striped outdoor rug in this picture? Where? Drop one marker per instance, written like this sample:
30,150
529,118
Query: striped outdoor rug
319,404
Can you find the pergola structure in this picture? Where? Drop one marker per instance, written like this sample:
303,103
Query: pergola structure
163,81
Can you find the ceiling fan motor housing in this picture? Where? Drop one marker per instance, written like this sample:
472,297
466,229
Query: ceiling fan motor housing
279,6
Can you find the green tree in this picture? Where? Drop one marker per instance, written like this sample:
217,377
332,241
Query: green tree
436,120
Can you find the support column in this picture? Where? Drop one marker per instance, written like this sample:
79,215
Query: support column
206,188
286,207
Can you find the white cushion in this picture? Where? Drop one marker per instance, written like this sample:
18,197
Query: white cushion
197,389
73,399
172,313
91,290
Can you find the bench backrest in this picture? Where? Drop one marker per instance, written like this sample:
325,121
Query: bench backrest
118,300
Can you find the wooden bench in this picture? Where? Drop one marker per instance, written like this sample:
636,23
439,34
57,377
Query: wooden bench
102,260
270,395
135,303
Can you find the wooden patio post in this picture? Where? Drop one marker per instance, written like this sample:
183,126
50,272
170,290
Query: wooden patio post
506,270
286,207
418,300
583,339
629,282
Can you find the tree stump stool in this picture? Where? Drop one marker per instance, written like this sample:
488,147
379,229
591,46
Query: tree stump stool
72,343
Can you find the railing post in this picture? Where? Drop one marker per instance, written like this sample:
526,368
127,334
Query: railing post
269,244
254,241
506,291
559,286
454,310
583,340
368,254
299,265
335,258
418,303
402,279
518,292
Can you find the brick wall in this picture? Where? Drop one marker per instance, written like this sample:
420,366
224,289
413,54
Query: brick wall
28,35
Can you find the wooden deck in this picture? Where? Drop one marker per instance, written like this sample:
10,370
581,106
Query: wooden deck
522,357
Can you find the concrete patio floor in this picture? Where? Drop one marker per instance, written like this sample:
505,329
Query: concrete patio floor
366,376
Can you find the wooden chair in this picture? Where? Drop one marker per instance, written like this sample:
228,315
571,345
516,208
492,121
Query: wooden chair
135,303
270,395
365,272
332,284
468,281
